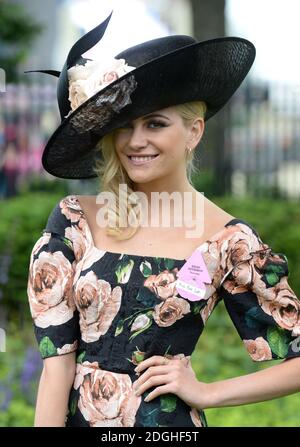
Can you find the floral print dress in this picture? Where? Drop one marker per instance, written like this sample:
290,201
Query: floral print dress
117,309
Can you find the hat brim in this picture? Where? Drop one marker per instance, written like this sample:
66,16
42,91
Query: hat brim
210,71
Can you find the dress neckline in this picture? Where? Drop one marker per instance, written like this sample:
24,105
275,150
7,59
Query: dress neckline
235,220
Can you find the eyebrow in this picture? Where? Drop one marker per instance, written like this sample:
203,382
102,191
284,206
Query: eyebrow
151,115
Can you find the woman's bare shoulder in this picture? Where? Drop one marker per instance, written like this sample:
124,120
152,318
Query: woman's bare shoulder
88,200
90,207
216,215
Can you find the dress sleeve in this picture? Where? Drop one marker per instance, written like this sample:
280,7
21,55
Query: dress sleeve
50,287
256,293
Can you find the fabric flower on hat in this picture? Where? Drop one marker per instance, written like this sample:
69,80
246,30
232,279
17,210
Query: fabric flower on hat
86,80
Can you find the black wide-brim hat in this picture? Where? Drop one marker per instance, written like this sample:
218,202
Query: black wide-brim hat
169,71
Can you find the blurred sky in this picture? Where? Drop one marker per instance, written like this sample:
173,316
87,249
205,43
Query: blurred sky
131,23
274,28
272,25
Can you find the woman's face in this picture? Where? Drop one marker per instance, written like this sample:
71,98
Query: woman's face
154,145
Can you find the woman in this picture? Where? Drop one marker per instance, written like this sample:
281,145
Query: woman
118,309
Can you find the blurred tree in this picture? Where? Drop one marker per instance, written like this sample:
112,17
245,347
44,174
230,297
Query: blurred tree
17,30
209,23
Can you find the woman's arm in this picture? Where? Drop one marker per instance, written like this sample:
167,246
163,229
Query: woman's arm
177,376
270,383
53,394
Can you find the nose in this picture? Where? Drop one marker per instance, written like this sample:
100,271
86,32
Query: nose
137,138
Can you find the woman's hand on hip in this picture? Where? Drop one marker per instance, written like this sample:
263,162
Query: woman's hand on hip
172,374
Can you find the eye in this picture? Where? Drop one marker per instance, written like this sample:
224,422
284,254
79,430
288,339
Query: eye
157,123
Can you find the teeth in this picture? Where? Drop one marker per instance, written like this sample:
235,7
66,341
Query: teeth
143,158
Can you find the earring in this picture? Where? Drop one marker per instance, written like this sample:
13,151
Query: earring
189,149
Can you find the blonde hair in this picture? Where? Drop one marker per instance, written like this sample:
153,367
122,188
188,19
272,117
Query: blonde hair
111,174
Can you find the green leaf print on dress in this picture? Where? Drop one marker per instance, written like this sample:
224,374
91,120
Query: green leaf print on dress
147,297
255,318
197,306
168,402
124,269
149,414
273,273
80,357
169,263
47,348
278,340
137,356
67,242
141,324
162,265
73,405
140,320
146,269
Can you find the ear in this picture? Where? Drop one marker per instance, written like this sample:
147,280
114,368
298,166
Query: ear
196,131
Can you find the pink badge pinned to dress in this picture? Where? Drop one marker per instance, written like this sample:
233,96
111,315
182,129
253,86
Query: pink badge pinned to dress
191,278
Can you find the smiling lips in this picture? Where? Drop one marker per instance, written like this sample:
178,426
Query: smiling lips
140,160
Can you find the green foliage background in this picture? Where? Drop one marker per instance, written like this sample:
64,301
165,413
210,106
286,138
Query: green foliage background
220,354
17,32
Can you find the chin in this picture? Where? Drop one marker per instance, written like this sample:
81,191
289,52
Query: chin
143,179
139,179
